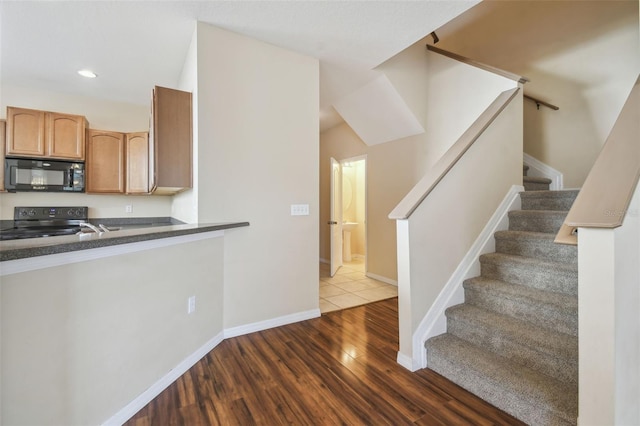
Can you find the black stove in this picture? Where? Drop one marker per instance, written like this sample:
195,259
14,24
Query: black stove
35,222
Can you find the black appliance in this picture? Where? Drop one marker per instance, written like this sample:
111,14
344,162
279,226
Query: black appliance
42,175
34,222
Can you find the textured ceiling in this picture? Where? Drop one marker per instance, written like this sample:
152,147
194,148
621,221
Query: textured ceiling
133,45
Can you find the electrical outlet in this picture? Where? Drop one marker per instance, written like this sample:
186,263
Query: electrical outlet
191,305
299,209
128,208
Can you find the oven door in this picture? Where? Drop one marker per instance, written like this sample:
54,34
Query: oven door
43,175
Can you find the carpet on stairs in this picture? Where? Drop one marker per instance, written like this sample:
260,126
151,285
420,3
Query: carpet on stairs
514,340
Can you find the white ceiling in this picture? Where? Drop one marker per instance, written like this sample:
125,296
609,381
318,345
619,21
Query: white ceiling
134,45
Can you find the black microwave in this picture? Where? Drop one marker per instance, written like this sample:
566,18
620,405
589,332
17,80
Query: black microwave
43,175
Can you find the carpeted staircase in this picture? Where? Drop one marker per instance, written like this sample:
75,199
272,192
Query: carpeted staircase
514,341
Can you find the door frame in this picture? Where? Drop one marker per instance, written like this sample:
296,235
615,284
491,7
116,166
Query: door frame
335,217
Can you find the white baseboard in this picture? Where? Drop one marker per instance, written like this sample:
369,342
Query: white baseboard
539,169
147,396
381,278
270,323
435,321
156,389
407,362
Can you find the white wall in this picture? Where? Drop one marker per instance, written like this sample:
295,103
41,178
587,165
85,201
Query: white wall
103,115
579,55
185,203
81,341
609,306
440,232
257,155
446,96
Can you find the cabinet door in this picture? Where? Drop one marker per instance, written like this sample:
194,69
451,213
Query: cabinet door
172,117
25,132
137,159
105,163
65,135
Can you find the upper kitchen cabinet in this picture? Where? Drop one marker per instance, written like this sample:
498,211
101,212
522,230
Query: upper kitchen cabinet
65,135
105,162
33,133
25,132
117,162
170,159
137,158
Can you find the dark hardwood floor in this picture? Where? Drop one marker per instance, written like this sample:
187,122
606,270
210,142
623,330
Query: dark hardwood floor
337,369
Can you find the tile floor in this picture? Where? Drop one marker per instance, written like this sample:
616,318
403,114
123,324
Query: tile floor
351,287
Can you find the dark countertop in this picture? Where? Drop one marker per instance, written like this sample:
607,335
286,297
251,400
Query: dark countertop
130,233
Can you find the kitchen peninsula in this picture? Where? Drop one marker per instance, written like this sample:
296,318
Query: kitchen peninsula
32,247
95,325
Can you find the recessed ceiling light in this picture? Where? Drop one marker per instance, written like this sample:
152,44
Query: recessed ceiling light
87,73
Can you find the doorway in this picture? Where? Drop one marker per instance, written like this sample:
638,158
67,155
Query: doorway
343,281
354,211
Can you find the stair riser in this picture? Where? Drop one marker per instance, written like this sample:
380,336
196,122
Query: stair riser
544,315
532,222
534,186
492,392
539,249
559,366
549,279
546,203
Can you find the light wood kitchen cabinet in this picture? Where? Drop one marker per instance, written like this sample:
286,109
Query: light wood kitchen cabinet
34,134
117,162
25,132
137,163
105,165
65,135
171,156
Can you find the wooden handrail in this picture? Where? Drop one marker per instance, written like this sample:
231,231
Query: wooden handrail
605,196
503,73
439,170
541,102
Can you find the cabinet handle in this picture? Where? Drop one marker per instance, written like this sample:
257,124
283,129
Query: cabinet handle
331,222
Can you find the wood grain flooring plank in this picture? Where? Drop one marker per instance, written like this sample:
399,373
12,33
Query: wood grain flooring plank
381,390
363,396
339,369
319,383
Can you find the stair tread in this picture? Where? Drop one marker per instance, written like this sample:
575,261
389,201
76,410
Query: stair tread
512,291
525,235
548,309
547,341
564,193
529,261
534,179
506,384
539,245
538,212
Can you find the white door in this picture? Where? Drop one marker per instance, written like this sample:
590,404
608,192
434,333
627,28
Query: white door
335,222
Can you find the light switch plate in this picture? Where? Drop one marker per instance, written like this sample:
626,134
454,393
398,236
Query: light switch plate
191,305
299,209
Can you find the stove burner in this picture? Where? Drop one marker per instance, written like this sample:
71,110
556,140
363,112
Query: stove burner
35,222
